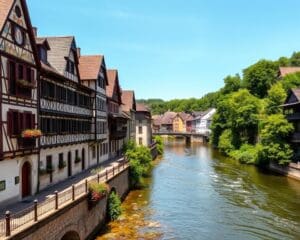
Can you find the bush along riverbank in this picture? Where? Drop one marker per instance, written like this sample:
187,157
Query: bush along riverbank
159,144
249,124
140,162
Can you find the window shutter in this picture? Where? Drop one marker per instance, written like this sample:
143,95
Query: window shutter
9,123
33,121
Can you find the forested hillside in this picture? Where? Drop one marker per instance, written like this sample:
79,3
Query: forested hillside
257,79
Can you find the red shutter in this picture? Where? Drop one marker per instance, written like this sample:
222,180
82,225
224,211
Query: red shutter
9,123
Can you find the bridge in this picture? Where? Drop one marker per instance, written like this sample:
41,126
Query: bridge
189,136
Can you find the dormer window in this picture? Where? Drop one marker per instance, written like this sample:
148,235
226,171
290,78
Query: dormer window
43,54
70,67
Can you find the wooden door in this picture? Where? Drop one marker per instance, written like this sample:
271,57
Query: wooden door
26,179
83,159
69,164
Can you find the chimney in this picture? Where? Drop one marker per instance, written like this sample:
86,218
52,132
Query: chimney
78,52
34,29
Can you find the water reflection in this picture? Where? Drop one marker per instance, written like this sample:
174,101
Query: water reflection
196,193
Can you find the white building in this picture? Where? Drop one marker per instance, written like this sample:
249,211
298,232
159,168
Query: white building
203,122
143,125
18,71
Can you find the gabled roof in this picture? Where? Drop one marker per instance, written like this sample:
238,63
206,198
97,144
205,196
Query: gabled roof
60,49
113,84
140,107
5,6
184,116
89,66
167,117
283,71
128,100
42,41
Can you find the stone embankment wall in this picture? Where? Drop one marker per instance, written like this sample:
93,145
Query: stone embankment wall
76,221
293,170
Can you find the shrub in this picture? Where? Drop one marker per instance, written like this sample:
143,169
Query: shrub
225,142
61,164
114,206
248,154
159,144
140,162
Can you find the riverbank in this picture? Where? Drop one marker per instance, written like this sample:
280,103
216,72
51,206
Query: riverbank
195,191
292,170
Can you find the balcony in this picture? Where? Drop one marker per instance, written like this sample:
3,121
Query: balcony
118,133
26,143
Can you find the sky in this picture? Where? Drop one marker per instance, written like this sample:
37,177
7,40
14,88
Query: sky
174,48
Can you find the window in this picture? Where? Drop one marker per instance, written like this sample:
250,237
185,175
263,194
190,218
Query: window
18,121
2,185
43,54
11,75
140,141
17,180
140,130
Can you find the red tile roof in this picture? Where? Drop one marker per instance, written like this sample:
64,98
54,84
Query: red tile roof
113,84
168,117
89,66
283,71
128,101
140,107
5,6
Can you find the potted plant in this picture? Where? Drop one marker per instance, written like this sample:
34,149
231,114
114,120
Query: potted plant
96,192
31,133
62,164
50,169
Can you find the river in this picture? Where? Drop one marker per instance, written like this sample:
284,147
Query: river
196,193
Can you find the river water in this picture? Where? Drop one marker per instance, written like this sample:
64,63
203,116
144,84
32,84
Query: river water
196,193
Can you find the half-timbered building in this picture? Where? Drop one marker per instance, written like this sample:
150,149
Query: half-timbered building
143,125
66,111
116,121
18,103
93,75
129,108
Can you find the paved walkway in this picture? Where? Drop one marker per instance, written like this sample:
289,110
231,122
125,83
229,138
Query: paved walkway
48,192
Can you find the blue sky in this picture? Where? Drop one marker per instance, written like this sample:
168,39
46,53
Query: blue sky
174,48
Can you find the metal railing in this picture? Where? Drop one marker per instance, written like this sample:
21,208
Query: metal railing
40,210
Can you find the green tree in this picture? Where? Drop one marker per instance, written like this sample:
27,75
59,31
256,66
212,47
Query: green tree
276,97
259,77
232,84
291,81
274,135
295,59
159,144
225,142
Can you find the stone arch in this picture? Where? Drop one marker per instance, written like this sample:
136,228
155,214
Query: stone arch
71,235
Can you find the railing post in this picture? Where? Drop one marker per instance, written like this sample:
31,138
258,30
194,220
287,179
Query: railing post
98,178
7,220
73,192
56,200
35,210
86,185
106,175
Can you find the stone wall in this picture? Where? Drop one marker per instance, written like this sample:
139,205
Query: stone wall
76,217
289,171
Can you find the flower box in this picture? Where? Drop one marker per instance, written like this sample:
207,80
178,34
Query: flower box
25,84
62,164
77,159
31,133
97,191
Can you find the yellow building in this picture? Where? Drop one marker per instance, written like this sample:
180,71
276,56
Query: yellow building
178,124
